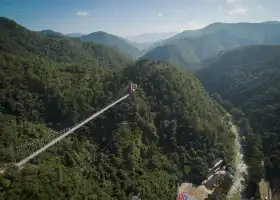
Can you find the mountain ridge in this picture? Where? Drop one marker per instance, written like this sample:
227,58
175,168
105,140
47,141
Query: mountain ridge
101,37
21,41
206,43
49,32
219,26
249,78
198,49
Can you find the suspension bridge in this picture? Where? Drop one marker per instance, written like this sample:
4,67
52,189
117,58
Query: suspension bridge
56,137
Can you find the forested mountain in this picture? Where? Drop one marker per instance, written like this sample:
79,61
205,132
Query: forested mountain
169,53
50,33
201,44
113,41
17,40
257,32
249,78
193,50
168,130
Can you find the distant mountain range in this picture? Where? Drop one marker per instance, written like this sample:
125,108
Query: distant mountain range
75,34
131,49
17,40
171,53
190,47
113,41
150,37
205,43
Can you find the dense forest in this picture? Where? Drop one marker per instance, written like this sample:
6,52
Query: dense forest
168,131
249,78
17,40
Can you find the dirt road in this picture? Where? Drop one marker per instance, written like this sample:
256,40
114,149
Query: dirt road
197,193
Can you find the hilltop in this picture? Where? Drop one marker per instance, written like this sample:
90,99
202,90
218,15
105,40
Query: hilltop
20,41
48,32
113,41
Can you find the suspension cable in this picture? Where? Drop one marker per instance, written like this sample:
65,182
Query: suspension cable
71,130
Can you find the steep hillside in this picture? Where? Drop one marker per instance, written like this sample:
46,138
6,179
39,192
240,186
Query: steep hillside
169,53
16,39
249,77
186,52
113,41
169,130
210,45
208,42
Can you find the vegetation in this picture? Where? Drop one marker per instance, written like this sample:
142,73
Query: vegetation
113,41
169,53
169,130
249,78
258,32
17,40
194,46
50,33
187,51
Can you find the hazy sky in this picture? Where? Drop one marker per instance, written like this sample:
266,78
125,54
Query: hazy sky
130,17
